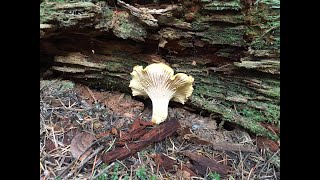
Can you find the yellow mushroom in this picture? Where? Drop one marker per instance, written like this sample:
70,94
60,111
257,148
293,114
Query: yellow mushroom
158,82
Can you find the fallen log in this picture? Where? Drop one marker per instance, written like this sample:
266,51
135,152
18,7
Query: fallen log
231,48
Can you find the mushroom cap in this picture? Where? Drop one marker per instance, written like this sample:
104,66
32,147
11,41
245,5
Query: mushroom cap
157,80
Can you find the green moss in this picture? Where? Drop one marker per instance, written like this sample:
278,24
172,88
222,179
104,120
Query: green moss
264,27
236,102
217,5
260,111
45,13
228,35
272,89
106,22
113,66
199,26
232,116
68,14
272,92
275,4
127,27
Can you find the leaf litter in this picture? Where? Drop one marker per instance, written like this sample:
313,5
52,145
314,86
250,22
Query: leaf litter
79,125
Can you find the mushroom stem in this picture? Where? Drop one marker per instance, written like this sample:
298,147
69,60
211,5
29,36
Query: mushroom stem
159,109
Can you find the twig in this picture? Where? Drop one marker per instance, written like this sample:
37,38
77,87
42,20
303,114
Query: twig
131,172
268,162
252,169
267,31
92,95
74,161
104,170
93,166
83,162
95,152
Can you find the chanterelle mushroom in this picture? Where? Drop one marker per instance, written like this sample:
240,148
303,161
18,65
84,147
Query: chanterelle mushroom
158,82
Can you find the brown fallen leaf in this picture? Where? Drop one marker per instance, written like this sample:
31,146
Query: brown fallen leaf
49,145
80,143
263,142
103,134
164,162
181,174
114,131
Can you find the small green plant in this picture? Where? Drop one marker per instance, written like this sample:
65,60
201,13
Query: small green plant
103,176
141,173
115,172
213,176
153,177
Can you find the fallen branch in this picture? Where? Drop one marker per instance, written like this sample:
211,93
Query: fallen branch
155,135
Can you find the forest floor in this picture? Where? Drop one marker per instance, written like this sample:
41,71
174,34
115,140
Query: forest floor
79,125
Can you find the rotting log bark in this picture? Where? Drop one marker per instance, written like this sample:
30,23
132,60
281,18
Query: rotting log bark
200,164
230,47
157,134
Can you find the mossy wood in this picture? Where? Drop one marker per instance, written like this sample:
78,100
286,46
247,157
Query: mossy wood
231,48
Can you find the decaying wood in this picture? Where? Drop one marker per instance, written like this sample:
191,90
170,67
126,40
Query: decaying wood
231,48
200,164
137,130
170,165
156,134
145,14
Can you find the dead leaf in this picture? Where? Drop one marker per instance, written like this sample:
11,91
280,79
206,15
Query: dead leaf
69,135
263,142
103,134
114,131
135,125
80,143
164,162
49,145
97,125
181,174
